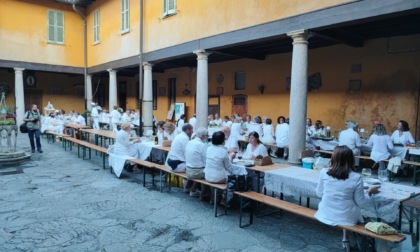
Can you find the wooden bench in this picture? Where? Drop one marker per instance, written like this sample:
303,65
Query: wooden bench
308,213
144,164
86,145
53,135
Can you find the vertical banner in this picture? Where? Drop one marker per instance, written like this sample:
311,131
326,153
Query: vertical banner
179,110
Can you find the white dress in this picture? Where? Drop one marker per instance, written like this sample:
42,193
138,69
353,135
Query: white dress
381,146
267,134
261,150
282,135
341,200
400,151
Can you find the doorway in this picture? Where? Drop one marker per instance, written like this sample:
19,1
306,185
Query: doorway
122,95
239,105
214,105
33,96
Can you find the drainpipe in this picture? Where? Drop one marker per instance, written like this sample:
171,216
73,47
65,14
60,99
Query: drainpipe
140,132
84,48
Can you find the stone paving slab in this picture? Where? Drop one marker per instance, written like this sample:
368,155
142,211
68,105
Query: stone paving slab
63,203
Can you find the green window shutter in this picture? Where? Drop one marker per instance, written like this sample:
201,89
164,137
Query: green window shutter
60,28
51,26
171,7
96,26
165,7
125,15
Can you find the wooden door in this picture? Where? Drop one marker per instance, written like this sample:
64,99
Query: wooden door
214,105
33,96
239,105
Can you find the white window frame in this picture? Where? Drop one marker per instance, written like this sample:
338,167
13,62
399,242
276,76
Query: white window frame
96,26
55,27
169,8
125,16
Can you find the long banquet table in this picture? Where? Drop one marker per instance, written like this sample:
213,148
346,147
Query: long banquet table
302,182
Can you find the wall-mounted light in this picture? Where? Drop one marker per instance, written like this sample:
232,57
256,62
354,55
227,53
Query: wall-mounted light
186,91
261,89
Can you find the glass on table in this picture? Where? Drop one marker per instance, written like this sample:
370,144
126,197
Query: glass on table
366,172
383,175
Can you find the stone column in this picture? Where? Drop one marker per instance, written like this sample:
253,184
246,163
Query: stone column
202,96
147,97
89,92
298,93
20,96
112,88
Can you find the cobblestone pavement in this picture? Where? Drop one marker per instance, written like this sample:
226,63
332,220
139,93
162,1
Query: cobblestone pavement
58,202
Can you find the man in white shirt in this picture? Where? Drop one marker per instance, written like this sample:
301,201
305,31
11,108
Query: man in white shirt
126,117
217,120
231,143
79,119
115,119
176,156
95,115
195,154
193,122
350,137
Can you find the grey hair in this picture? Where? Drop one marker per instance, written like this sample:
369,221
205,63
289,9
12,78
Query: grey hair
351,124
200,132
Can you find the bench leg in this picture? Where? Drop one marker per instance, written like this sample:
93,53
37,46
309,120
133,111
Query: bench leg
103,160
251,214
144,176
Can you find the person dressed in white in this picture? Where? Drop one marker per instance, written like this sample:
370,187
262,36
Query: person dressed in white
319,128
180,123
195,154
95,115
53,124
381,145
236,130
341,192
226,122
170,132
79,119
176,156
123,146
255,147
246,123
268,132
400,138
230,143
115,118
282,137
256,126
217,120
218,161
126,117
193,122
351,138
310,131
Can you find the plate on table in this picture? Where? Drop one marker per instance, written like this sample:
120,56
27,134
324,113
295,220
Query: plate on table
244,162
367,182
327,138
316,138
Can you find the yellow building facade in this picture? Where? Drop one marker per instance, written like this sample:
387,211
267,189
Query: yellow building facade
365,58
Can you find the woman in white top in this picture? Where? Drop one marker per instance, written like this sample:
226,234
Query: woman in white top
255,147
341,192
319,128
236,128
256,126
268,131
381,145
218,162
400,138
123,146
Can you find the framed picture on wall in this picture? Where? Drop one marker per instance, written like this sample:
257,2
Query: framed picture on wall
219,90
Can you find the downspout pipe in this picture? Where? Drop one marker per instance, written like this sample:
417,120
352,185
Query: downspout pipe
140,133
84,48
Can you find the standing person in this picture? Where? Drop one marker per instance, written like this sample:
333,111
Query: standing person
341,192
115,119
95,116
193,122
282,138
180,122
33,119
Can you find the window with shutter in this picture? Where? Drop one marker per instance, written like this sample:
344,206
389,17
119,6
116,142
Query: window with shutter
55,27
169,7
125,16
96,27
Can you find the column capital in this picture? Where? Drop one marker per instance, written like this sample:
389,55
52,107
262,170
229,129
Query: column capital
201,54
110,70
299,36
17,69
147,65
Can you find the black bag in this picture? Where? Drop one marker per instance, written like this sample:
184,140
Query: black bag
23,128
241,183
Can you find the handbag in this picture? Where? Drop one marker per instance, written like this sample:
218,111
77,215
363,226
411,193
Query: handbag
380,228
23,128
241,183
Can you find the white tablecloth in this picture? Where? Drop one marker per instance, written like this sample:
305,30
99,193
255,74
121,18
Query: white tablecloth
117,163
302,182
238,169
330,145
144,149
